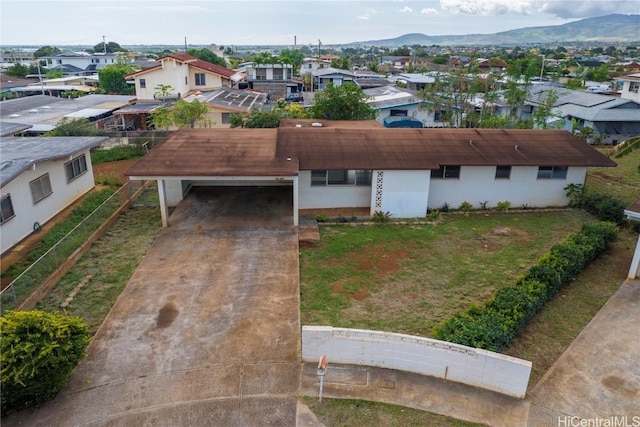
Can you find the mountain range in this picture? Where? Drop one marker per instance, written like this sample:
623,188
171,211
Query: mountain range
609,28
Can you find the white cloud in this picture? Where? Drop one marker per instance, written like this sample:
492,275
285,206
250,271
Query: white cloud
363,17
588,8
406,9
489,7
429,11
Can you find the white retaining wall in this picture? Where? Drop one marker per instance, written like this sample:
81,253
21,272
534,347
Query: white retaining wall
441,359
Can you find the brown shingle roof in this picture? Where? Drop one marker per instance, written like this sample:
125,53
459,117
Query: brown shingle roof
254,152
386,148
219,152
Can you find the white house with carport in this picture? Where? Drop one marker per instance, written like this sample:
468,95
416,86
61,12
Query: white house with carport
39,177
360,164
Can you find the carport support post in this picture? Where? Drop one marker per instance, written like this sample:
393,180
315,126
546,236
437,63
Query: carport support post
295,201
162,196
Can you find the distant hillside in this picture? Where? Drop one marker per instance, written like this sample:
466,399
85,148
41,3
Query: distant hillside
616,27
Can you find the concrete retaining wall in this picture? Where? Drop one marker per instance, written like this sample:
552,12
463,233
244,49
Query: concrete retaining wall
453,362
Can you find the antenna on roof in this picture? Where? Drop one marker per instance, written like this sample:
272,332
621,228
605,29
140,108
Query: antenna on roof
516,147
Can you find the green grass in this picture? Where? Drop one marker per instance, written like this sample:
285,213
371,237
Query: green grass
120,152
339,412
406,279
621,182
111,262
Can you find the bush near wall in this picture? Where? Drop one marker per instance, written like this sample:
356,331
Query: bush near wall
495,324
603,207
39,352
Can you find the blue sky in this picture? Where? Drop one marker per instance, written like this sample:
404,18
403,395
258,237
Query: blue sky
243,22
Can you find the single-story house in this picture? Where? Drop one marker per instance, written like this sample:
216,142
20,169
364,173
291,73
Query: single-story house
632,212
359,164
39,177
399,107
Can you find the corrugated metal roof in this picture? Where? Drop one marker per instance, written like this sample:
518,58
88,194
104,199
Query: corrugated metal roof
18,154
216,152
349,145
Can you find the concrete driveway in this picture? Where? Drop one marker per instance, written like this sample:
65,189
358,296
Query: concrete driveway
206,332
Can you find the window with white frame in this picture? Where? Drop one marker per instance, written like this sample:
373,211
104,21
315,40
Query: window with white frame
200,79
503,172
633,86
143,83
40,188
552,172
225,118
6,208
330,177
399,113
446,172
75,167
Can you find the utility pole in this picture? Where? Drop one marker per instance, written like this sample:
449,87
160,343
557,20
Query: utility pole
104,44
185,44
319,45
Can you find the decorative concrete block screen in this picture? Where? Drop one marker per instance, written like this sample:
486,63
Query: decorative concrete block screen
453,362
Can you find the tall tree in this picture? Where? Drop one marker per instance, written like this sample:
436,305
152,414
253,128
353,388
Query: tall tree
45,51
294,58
182,115
112,79
111,47
18,70
206,55
449,96
344,102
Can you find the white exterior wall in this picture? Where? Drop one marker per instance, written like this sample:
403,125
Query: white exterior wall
404,193
334,196
478,184
27,213
628,94
172,73
440,359
83,62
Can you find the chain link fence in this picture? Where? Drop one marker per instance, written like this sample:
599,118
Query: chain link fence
139,193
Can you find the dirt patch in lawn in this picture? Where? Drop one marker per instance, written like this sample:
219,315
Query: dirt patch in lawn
375,257
499,237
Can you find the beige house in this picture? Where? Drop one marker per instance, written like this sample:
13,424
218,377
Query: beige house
181,75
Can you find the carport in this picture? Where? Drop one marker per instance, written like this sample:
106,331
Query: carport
225,158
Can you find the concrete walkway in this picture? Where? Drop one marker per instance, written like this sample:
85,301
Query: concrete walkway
207,331
598,375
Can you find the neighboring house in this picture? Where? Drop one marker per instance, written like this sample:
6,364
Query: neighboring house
12,129
359,164
7,83
332,75
58,87
416,81
613,119
40,177
275,79
496,65
630,87
85,63
632,213
225,101
398,107
43,112
184,74
310,65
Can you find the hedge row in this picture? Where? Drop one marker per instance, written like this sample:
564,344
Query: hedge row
495,324
603,207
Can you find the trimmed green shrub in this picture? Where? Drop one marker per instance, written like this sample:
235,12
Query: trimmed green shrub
117,153
39,352
465,206
604,207
494,325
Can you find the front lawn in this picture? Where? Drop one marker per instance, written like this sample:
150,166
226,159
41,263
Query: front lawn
406,279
